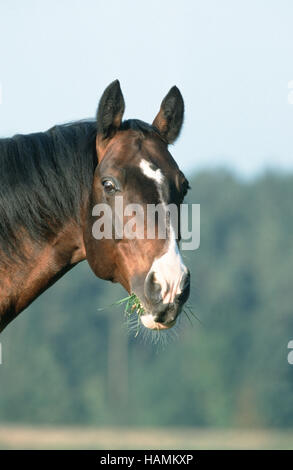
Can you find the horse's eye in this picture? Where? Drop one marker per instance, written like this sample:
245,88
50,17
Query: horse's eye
109,186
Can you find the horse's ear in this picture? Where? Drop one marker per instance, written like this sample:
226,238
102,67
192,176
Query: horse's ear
109,115
170,117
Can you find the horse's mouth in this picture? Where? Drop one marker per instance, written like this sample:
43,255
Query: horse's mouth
148,321
150,318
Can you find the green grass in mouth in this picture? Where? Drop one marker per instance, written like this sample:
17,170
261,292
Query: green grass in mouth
132,306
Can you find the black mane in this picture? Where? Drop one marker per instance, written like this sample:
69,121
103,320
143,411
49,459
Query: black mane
43,179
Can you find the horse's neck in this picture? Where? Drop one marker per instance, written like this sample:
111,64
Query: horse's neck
21,282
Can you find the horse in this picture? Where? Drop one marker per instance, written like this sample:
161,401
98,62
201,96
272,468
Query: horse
49,183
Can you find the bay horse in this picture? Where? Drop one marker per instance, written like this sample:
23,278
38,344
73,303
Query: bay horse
49,183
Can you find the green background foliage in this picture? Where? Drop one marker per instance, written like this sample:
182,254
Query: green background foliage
65,362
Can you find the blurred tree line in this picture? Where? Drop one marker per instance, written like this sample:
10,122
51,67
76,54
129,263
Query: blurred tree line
65,362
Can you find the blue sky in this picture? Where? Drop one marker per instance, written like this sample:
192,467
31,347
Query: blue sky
231,59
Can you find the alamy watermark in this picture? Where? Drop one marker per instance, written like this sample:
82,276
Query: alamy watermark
150,221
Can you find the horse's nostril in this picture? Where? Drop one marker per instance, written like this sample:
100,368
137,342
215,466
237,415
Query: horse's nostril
152,288
185,281
185,289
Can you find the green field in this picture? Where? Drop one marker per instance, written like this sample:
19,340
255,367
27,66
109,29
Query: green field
21,437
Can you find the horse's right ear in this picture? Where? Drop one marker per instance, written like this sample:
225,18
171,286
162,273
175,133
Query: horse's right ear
109,115
170,117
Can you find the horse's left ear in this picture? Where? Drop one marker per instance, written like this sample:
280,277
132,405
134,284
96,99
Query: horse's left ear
109,115
170,117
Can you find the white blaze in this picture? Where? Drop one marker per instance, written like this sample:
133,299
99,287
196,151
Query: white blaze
147,170
168,268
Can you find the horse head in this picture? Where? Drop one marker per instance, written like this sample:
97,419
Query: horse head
136,169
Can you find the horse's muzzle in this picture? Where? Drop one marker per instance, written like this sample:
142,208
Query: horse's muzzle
161,314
